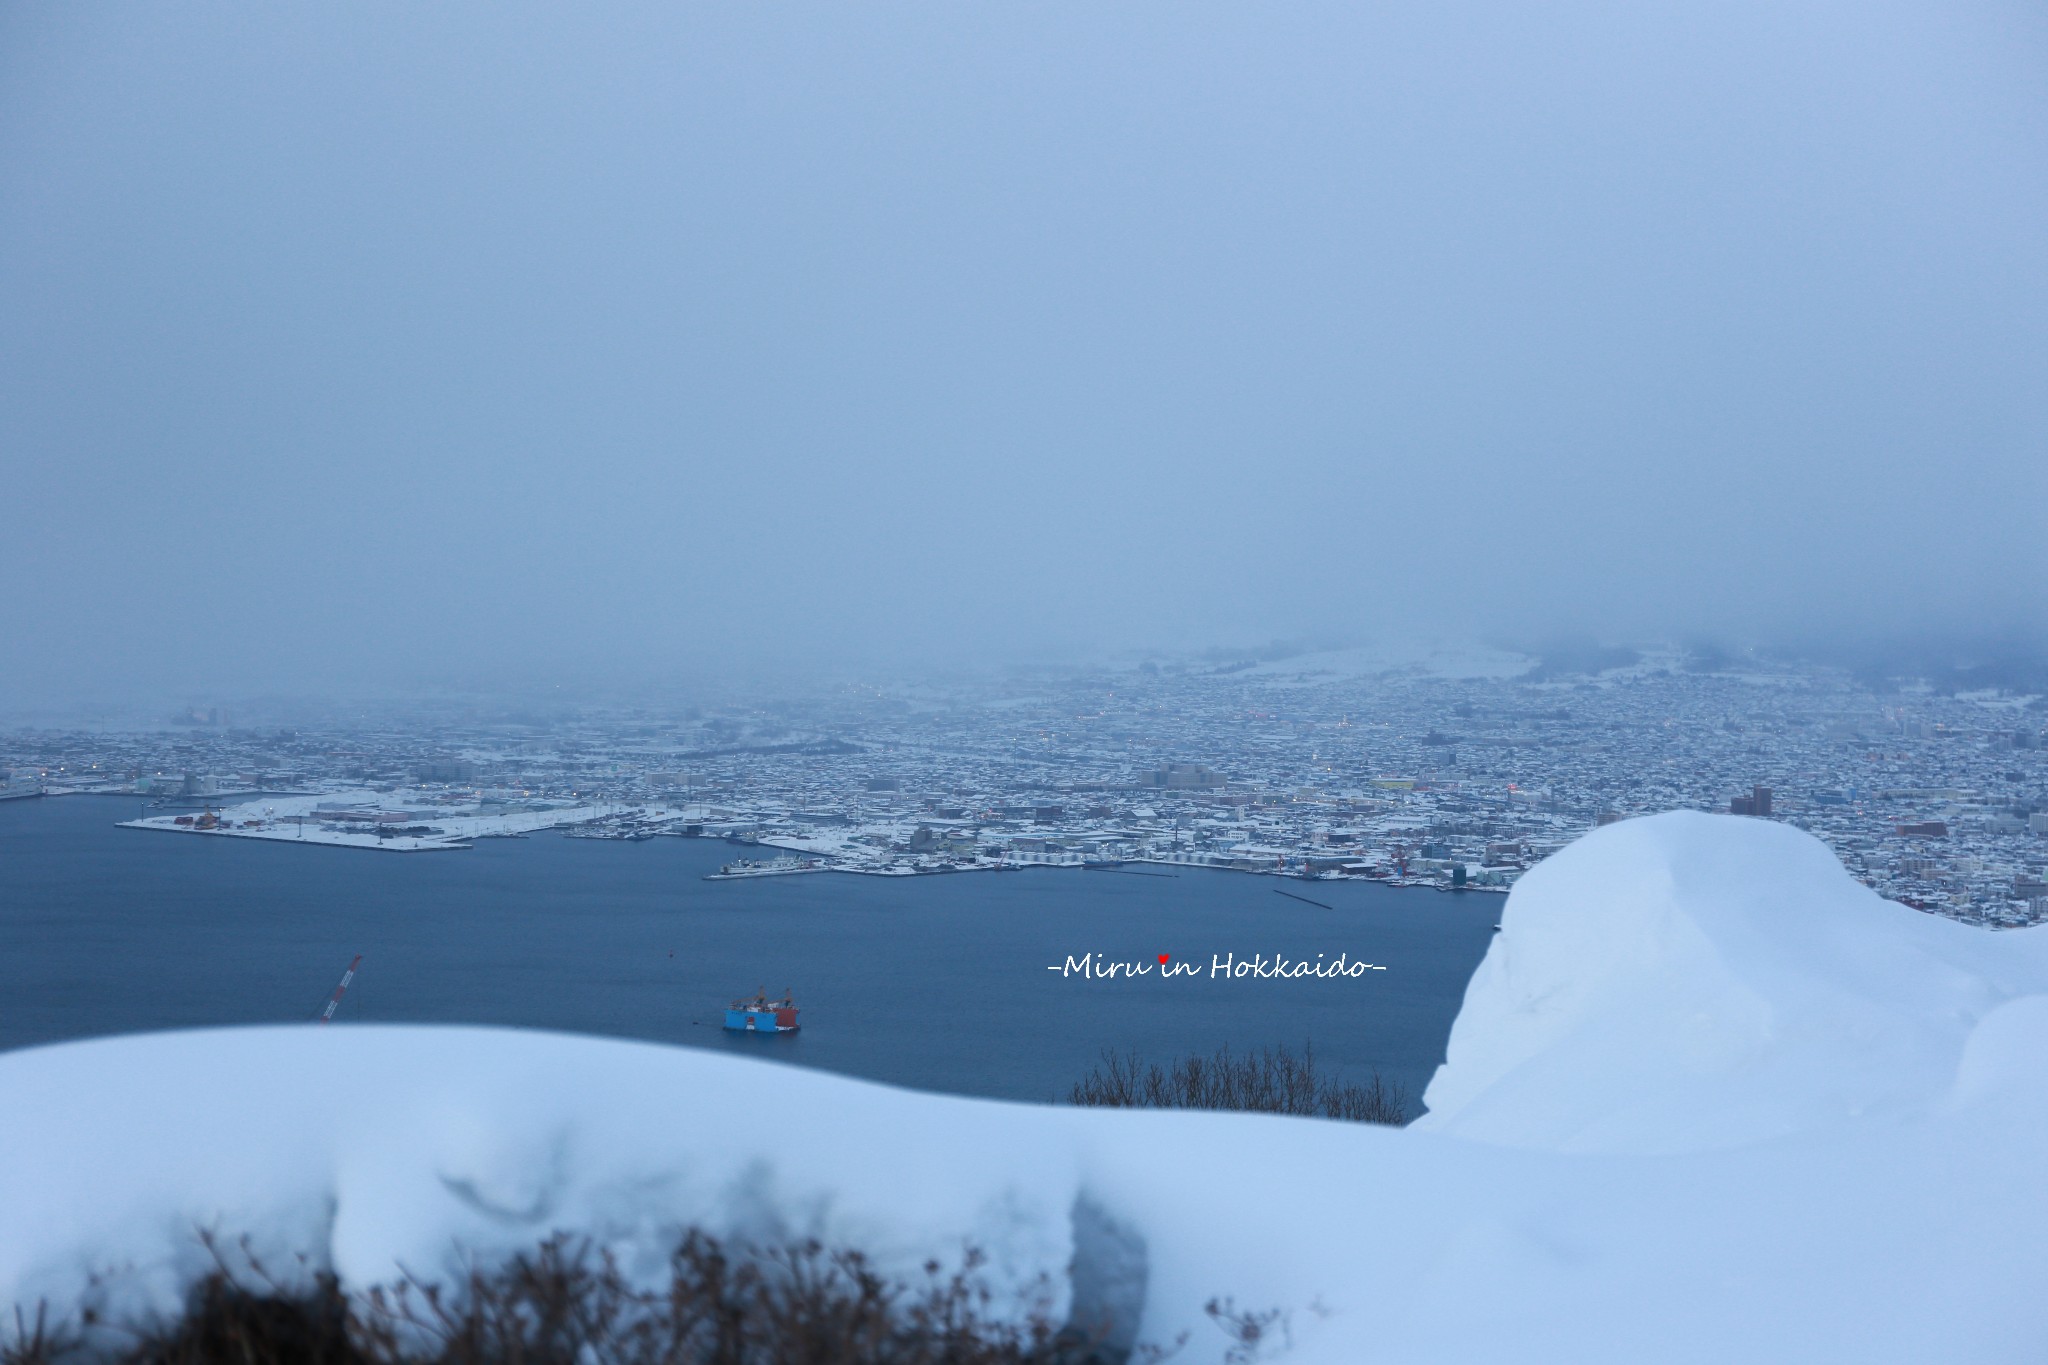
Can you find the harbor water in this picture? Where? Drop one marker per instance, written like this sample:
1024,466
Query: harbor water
950,983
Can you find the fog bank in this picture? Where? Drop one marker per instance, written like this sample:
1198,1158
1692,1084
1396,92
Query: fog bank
389,346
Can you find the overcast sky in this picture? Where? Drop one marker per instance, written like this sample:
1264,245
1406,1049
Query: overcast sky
397,344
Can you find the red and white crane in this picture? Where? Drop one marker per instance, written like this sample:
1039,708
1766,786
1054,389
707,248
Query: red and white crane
346,977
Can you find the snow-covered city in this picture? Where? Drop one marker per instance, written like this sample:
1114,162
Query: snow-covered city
1448,768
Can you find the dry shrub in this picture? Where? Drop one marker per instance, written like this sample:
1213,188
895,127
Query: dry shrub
798,1304
1272,1080
568,1303
34,1341
230,1323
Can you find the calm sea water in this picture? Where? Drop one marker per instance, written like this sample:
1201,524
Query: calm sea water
939,983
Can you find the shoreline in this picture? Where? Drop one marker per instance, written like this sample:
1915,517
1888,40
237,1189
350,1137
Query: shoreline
1006,865
413,844
365,842
464,830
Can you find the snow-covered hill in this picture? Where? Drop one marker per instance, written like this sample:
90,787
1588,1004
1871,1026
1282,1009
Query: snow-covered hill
1708,1100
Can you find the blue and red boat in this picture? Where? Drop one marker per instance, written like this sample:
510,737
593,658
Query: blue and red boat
762,1015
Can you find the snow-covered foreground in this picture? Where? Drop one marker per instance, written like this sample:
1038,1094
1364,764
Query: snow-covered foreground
1708,1100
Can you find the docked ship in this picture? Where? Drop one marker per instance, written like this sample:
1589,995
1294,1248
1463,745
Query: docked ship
762,1015
774,867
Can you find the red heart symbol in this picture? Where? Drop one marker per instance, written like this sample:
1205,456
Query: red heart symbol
1163,957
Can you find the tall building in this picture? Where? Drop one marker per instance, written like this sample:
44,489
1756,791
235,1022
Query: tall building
1184,777
1758,802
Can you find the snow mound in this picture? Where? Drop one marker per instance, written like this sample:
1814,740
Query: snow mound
1708,1100
386,1149
1687,981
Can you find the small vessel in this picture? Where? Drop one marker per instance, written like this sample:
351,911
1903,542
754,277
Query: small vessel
762,1015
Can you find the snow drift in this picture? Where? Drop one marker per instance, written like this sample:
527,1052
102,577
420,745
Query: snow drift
1698,980
1708,1099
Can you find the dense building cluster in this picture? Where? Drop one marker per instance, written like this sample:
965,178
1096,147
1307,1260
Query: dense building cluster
1315,766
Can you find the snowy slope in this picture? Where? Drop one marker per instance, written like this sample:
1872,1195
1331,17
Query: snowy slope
1708,1101
1697,980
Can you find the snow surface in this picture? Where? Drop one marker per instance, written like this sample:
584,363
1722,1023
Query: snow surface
1708,1100
1696,981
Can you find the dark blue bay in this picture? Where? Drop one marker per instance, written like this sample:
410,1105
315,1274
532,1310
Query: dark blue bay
935,982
